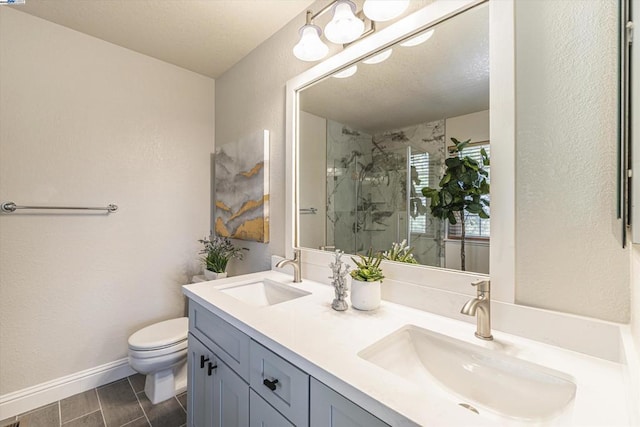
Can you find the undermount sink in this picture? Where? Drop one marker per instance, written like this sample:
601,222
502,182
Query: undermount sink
264,292
485,381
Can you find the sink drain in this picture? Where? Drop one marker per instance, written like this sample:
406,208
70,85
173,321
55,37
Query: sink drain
469,407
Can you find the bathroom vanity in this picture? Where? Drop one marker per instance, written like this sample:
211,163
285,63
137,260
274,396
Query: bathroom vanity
266,351
236,381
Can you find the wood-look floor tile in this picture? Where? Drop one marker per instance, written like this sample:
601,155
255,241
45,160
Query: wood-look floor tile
78,405
137,382
46,416
119,403
93,419
140,422
164,414
182,398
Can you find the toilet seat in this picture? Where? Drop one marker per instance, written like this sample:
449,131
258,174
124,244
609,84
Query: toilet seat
157,352
160,338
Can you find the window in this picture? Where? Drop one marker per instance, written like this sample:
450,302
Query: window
419,180
476,227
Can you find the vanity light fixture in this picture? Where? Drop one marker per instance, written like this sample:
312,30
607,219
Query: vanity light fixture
384,10
346,26
419,39
376,59
310,47
346,72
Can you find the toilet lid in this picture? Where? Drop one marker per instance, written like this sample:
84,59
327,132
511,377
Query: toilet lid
159,335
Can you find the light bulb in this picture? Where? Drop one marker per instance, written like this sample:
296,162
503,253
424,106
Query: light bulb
346,73
310,47
344,27
384,10
415,41
376,59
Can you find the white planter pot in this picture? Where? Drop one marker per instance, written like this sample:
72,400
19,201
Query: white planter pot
365,295
212,275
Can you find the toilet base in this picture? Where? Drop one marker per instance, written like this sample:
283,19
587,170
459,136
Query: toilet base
162,385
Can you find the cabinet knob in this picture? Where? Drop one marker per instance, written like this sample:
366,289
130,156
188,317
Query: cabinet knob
271,385
211,367
202,360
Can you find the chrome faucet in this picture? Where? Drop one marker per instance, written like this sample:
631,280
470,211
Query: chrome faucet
295,263
481,305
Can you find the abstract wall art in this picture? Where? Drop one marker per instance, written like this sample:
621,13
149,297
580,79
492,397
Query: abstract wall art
242,188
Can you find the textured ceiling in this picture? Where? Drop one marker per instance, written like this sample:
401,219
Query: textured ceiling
447,76
205,36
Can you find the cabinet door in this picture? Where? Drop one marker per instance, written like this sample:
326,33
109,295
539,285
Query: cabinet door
200,384
261,414
330,409
230,398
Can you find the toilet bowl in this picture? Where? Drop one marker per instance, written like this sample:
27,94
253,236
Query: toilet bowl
159,351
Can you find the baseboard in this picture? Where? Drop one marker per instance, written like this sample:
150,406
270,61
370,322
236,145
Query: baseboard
24,400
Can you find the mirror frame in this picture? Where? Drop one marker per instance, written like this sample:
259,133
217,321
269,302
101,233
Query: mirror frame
502,130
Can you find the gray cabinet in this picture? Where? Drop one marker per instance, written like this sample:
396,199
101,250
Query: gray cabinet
231,345
236,382
264,415
330,409
230,398
199,410
217,396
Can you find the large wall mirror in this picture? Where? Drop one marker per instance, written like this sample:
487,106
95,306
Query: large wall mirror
374,134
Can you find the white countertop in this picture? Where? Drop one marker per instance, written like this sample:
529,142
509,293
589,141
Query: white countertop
325,343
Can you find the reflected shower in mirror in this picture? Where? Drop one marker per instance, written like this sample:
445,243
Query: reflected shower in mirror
376,133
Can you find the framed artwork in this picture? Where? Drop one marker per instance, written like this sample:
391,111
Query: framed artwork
242,188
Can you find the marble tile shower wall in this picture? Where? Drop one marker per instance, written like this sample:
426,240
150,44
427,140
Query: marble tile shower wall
367,188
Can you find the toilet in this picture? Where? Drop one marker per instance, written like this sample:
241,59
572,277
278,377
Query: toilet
159,351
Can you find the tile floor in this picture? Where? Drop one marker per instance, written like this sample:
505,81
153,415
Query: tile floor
119,404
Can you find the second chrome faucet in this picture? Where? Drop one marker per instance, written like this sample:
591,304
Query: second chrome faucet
480,307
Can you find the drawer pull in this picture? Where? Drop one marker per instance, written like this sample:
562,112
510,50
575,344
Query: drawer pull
211,368
271,385
202,360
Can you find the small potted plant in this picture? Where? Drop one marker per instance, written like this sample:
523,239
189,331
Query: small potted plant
217,253
367,277
400,252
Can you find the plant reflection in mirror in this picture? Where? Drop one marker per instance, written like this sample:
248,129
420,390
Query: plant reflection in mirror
461,191
400,252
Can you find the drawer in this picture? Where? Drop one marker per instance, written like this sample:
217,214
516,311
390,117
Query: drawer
228,343
261,414
281,384
330,409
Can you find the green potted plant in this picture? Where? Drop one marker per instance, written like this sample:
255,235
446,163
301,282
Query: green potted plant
400,252
367,278
217,253
461,191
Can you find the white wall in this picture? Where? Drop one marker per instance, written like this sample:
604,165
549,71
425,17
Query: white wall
251,96
569,254
474,126
85,122
635,296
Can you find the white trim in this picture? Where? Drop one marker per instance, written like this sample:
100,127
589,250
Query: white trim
502,257
29,398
